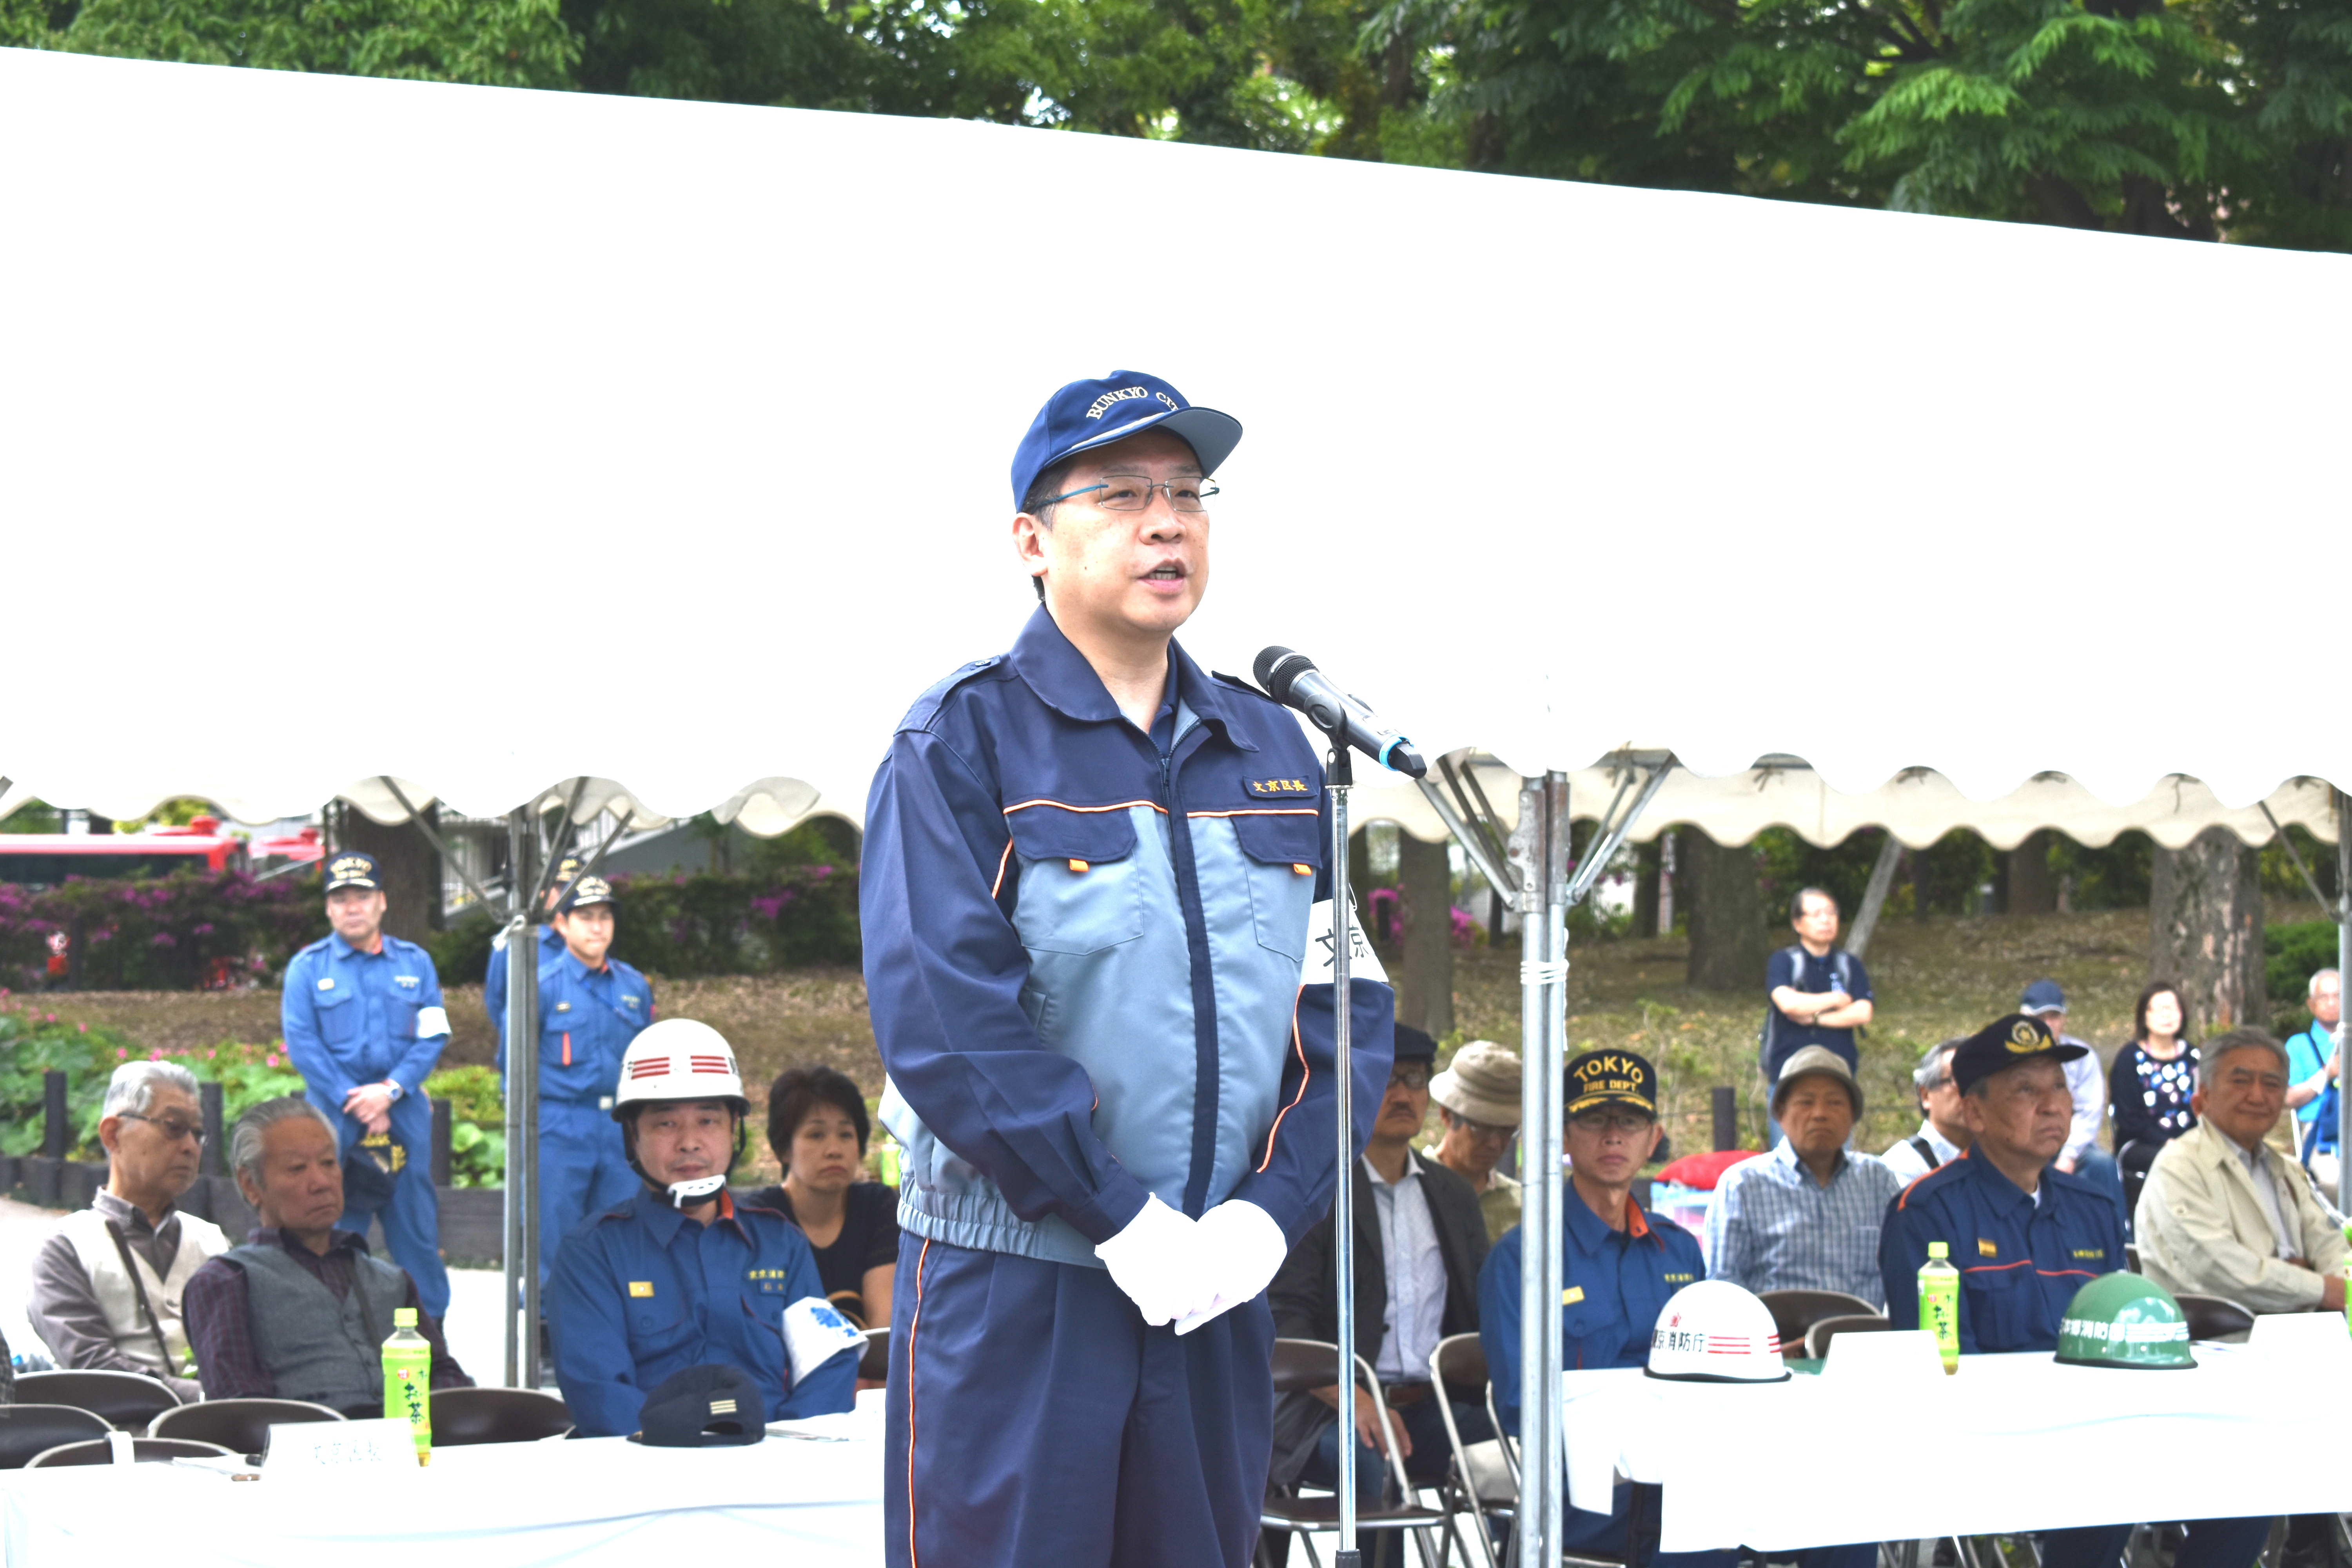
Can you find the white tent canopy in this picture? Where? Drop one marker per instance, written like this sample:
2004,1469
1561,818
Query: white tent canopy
501,437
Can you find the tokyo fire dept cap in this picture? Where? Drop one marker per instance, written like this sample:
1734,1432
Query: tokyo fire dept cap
1611,1078
703,1407
352,870
584,891
1088,414
2004,1042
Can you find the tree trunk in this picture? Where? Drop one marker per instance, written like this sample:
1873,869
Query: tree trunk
2032,890
1873,896
2205,931
1647,860
410,867
1727,947
1424,887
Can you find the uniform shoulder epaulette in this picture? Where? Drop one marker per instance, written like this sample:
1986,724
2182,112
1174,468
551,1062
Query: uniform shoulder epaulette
919,716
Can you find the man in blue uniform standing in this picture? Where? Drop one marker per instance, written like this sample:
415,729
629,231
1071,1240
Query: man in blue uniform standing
364,1025
551,942
591,1005
1090,877
680,1275
2025,1236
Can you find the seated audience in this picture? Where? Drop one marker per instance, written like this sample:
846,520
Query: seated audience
1622,1265
817,1126
1477,1098
2154,1076
1942,1134
107,1287
1420,1239
2313,1072
1806,1215
302,1311
681,1275
2025,1236
2223,1214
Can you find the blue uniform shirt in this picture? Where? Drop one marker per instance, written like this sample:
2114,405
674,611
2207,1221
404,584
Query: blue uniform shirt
641,1292
494,979
2306,1053
353,1018
1614,1285
1795,967
2020,1261
586,1019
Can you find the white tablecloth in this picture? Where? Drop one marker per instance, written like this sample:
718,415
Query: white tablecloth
516,1505
2010,1443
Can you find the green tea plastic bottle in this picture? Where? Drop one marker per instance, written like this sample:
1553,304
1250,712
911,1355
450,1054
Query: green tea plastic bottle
1939,1303
408,1380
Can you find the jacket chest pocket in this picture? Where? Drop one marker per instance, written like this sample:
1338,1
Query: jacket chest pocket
342,1015
1081,880
1283,852
2003,1301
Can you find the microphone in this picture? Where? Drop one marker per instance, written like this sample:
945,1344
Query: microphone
1292,680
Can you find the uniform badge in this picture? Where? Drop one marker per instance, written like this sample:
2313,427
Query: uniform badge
563,1007
1986,1249
1278,789
642,1289
408,981
1571,1296
328,984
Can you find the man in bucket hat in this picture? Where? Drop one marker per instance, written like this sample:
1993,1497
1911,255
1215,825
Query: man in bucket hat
1477,1098
1088,890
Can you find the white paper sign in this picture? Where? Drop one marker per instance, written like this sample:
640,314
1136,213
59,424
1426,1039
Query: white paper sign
1887,1354
1363,964
310,1450
2314,1341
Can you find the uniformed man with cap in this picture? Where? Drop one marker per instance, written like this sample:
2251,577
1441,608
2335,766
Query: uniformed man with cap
2026,1236
680,1275
591,1005
1089,876
364,1025
551,942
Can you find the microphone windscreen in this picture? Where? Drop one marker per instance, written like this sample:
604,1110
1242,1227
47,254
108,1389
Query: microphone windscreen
1276,667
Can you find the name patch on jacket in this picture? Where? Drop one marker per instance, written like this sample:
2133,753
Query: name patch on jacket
770,1281
405,982
641,1289
1278,789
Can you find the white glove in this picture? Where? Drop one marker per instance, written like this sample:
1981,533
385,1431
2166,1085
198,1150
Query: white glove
1242,1249
1156,1260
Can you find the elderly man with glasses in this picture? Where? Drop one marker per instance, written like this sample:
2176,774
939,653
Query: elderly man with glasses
107,1288
1477,1098
1420,1240
1943,1133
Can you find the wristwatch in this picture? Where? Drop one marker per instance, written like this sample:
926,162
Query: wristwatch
396,1091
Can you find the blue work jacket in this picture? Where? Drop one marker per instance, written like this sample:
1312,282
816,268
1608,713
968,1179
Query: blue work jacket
1614,1285
586,1019
2020,1262
1088,956
494,979
353,1018
641,1292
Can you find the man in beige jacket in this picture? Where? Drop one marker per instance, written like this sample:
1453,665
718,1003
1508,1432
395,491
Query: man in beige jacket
2224,1215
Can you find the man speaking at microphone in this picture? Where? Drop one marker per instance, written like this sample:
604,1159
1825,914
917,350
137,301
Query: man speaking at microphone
1091,884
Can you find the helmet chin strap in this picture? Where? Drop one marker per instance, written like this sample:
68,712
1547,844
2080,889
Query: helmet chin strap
683,1193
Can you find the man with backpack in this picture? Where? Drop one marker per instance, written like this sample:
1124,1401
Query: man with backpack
1820,994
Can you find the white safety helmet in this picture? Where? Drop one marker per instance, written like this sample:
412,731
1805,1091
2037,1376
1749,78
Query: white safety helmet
1715,1331
679,1059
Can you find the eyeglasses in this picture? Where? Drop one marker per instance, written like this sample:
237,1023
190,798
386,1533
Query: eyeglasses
1415,1078
1132,492
1606,1121
1479,1130
171,1127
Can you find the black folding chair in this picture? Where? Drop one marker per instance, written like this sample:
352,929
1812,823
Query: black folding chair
1818,1337
26,1430
144,1451
1303,1364
126,1399
240,1425
1796,1311
464,1416
1483,1483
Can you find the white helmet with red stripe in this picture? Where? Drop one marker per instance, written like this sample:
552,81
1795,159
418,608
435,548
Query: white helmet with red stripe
1715,1332
678,1058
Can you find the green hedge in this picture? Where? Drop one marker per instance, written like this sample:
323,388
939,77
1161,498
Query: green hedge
188,930
703,922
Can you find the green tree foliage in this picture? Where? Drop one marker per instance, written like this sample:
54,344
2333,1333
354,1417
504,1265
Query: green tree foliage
2197,119
492,43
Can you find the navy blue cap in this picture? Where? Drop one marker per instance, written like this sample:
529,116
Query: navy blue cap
1611,1078
350,868
1088,414
701,1407
2004,1042
582,891
1414,1044
2042,996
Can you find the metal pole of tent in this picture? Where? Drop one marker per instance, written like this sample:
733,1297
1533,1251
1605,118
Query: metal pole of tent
1337,780
521,1227
2343,968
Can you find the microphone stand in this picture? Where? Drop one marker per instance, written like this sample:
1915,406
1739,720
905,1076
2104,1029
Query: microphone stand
1339,778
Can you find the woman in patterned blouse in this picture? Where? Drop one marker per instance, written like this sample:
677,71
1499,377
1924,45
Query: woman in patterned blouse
2154,1075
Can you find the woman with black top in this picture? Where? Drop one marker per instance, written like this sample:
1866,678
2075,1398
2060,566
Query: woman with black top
817,1126
2152,1077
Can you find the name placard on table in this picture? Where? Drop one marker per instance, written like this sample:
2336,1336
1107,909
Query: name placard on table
355,1450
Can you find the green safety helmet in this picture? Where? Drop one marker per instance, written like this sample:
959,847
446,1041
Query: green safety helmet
2124,1320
